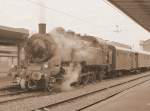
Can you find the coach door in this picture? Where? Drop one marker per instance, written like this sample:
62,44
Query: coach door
111,57
132,61
136,60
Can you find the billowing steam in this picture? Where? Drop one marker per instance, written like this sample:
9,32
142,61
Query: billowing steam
71,76
75,49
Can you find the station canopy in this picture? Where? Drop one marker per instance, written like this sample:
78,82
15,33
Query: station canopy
12,36
138,10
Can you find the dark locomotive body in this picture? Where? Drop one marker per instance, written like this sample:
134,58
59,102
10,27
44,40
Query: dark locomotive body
54,57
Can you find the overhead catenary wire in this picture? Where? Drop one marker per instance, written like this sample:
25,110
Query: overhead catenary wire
52,9
63,13
55,10
113,7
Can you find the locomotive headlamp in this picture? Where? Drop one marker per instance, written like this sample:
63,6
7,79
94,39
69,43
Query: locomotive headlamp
46,65
12,66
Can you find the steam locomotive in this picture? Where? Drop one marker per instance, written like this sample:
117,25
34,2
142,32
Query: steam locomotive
65,58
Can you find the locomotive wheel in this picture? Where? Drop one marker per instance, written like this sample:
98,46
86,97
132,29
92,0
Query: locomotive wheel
50,87
100,75
114,75
27,85
85,80
31,85
119,73
79,82
93,77
50,84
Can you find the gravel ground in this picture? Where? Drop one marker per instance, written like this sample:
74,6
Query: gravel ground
38,102
6,99
135,99
82,102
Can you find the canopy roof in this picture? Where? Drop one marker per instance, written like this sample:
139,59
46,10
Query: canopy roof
138,10
12,36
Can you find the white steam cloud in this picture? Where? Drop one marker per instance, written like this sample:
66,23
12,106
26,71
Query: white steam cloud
71,76
75,49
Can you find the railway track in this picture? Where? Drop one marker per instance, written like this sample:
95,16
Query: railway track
11,91
9,87
77,99
14,97
8,93
84,101
14,93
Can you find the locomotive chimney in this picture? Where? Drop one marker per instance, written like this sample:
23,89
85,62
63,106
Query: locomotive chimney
42,28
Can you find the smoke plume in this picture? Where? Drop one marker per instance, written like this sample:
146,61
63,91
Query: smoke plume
75,49
42,11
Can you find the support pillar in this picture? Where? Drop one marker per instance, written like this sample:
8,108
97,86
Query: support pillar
12,61
18,54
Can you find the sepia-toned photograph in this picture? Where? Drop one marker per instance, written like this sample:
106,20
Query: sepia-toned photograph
74,55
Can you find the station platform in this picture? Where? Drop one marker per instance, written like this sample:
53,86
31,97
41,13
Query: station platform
5,81
135,99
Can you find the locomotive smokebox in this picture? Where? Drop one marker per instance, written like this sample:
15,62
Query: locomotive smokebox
42,28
